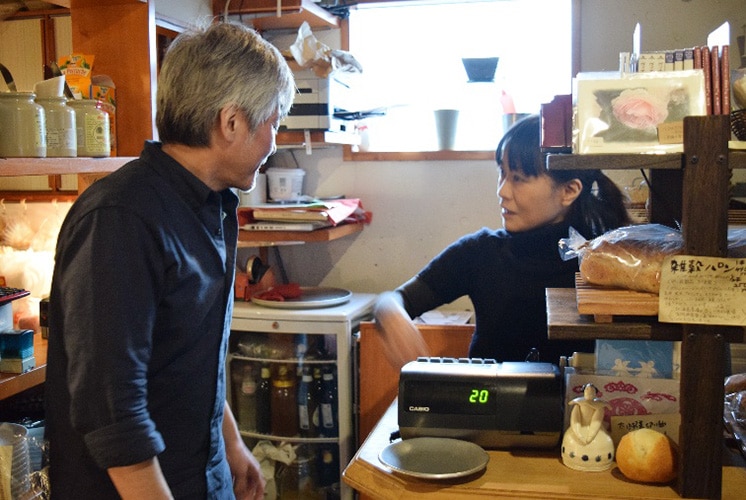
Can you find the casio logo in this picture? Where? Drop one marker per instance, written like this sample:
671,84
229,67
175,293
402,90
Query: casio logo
419,409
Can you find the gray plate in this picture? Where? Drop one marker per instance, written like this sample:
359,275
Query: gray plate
434,458
312,297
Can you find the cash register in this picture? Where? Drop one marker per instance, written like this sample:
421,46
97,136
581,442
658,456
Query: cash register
493,404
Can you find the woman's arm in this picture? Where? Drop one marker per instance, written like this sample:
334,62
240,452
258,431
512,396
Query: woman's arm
403,340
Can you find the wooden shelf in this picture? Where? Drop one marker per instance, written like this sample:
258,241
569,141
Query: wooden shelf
292,13
669,161
61,166
564,323
12,384
701,193
272,238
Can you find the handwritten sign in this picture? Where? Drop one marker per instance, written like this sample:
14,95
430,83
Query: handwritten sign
667,423
703,290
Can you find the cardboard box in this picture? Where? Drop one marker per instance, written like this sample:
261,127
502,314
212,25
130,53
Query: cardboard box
638,358
17,365
627,395
77,69
17,343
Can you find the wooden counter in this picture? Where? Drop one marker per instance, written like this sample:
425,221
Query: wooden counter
514,474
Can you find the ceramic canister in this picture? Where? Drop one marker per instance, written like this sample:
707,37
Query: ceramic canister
60,127
92,125
21,126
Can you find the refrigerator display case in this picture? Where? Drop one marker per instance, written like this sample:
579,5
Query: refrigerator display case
291,387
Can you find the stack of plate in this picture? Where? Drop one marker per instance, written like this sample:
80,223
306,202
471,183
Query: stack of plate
14,461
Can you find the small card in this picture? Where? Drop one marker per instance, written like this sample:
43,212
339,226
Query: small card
667,423
703,290
671,133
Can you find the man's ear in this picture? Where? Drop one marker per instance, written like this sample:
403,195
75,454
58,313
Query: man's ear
228,120
571,191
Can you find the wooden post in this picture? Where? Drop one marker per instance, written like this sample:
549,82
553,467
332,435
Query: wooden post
121,36
704,227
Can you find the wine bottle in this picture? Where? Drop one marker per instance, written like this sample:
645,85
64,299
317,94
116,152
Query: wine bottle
263,401
328,404
307,403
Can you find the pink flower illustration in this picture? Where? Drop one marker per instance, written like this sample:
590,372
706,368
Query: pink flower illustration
639,109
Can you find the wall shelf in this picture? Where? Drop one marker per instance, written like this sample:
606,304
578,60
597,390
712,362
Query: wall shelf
61,166
272,238
292,13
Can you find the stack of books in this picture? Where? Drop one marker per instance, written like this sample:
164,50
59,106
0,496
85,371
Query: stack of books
712,59
301,216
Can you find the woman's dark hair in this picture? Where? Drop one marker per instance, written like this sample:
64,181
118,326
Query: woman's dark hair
601,204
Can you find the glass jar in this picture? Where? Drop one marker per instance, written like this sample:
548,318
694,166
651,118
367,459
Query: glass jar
21,126
283,404
92,126
297,480
60,127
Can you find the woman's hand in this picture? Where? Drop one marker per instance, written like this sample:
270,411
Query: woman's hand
403,341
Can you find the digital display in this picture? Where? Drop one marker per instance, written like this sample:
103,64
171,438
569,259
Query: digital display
453,397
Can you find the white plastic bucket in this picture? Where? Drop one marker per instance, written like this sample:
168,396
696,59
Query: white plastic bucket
285,184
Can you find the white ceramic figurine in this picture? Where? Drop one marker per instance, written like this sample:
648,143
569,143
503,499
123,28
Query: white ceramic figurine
586,445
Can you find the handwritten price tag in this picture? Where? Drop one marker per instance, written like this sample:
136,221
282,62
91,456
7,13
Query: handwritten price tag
703,290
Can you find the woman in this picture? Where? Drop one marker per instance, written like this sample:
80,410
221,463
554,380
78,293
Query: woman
505,272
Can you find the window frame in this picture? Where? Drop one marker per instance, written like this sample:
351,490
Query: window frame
350,155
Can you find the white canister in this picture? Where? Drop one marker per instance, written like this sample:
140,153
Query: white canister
60,127
256,196
21,126
285,184
92,125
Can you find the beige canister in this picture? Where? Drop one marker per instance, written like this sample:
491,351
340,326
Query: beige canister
21,126
92,126
60,127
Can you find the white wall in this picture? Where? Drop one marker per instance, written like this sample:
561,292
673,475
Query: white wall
607,26
420,207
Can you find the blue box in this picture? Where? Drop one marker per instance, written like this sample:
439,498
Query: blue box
17,344
637,358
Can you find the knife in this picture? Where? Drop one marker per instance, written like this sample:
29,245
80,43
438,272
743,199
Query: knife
8,78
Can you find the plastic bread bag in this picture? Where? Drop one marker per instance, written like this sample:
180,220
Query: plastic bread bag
631,257
628,257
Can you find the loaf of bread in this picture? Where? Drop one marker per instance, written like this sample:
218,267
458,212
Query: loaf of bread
629,257
735,383
647,456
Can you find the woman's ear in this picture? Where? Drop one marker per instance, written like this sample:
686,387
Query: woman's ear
571,191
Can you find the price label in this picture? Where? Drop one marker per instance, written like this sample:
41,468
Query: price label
671,133
703,290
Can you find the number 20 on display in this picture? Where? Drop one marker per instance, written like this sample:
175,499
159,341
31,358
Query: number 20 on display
479,396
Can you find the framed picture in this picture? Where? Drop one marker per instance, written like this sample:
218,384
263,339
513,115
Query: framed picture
635,112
